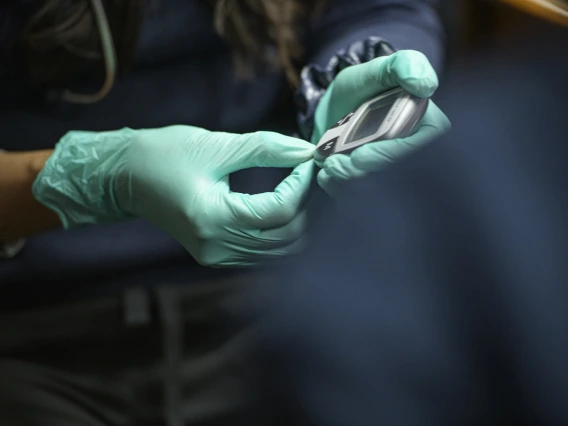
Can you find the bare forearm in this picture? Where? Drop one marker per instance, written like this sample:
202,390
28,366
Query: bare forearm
21,214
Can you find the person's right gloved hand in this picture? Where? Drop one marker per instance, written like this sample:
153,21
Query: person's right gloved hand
178,178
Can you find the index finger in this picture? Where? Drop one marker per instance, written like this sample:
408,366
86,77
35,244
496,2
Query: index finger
375,156
408,69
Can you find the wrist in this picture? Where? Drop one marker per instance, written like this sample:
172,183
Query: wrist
36,161
20,213
77,181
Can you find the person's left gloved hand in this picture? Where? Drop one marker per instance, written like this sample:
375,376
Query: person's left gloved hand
357,84
177,177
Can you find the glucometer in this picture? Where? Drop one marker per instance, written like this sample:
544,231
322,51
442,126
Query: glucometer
391,115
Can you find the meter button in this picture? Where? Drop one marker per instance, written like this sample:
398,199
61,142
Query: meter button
343,120
327,148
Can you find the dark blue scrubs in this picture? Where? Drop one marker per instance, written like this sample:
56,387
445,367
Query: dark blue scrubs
183,75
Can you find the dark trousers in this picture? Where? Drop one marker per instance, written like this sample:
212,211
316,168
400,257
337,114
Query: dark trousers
167,357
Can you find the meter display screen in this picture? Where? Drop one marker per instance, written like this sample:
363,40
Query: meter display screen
372,119
392,114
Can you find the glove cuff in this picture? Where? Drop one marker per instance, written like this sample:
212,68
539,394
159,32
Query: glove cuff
77,180
316,79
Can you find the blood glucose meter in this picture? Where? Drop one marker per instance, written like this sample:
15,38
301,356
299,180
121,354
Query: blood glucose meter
391,115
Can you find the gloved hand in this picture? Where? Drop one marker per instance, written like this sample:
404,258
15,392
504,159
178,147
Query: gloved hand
357,84
178,178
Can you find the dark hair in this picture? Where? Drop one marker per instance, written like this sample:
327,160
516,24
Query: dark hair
64,36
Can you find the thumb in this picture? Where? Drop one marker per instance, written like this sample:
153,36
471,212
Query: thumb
412,71
267,149
408,69
274,209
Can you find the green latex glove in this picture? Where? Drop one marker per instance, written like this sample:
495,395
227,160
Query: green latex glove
355,85
178,178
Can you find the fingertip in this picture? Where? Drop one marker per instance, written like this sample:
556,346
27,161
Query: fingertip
424,86
284,139
271,149
414,73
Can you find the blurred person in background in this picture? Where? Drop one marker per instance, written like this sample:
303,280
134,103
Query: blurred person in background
177,70
441,299
125,119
